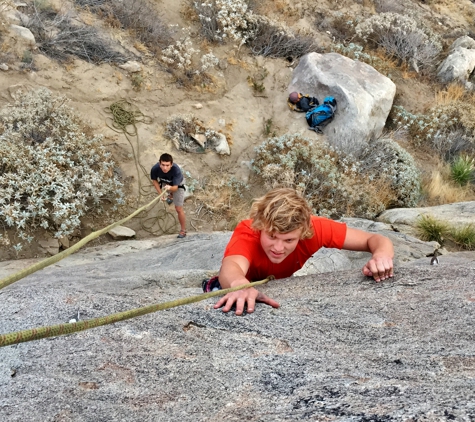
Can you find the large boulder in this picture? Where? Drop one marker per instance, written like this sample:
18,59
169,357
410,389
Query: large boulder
364,96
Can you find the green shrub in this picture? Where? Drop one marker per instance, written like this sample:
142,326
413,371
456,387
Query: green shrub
464,236
386,159
332,184
430,229
462,169
51,172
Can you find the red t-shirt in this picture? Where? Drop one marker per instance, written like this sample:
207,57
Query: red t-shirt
247,242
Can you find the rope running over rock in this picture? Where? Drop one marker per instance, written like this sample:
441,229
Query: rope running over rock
68,328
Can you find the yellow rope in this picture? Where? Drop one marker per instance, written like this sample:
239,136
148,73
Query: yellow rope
68,328
58,257
125,117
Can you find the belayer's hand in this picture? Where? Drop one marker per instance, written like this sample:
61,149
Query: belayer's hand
242,297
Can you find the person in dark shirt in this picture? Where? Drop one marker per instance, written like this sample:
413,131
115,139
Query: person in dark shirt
300,102
168,176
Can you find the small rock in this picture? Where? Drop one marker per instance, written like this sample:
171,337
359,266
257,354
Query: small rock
24,33
51,246
223,64
121,232
64,242
222,146
198,106
222,122
4,67
200,139
131,66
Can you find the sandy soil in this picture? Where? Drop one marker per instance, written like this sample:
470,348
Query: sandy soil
231,105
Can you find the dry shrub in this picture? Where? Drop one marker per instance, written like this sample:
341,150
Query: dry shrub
60,37
218,199
330,181
140,17
377,59
342,27
403,37
270,39
446,129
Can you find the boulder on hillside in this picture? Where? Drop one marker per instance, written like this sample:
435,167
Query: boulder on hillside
23,33
364,96
464,42
458,65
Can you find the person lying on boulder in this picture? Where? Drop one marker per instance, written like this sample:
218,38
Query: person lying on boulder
280,236
300,102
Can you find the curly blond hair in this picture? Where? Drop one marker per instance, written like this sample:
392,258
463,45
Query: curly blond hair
281,211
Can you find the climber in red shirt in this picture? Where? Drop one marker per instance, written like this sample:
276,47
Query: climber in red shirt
278,239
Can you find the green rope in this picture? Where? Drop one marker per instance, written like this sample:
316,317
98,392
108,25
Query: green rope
58,257
125,117
68,328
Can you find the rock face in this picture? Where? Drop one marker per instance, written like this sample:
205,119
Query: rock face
457,214
340,347
364,96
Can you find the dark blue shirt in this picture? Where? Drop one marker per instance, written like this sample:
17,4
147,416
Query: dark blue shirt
173,178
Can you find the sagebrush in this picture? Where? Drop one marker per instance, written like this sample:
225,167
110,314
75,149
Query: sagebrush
51,172
330,182
403,37
58,36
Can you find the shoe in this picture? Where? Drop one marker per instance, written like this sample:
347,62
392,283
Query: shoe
211,285
182,234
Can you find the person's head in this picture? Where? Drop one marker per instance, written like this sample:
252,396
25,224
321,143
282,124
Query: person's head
166,162
294,97
283,218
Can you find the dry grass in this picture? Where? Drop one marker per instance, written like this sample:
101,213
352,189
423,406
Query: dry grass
453,92
439,189
280,9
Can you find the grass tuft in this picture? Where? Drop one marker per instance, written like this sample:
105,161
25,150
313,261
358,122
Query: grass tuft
464,237
462,169
430,229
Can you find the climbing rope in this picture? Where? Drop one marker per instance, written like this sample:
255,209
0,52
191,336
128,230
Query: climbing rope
58,257
124,119
68,328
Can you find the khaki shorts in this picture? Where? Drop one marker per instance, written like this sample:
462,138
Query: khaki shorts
179,197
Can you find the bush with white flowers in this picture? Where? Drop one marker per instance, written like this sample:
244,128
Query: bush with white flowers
224,19
51,172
